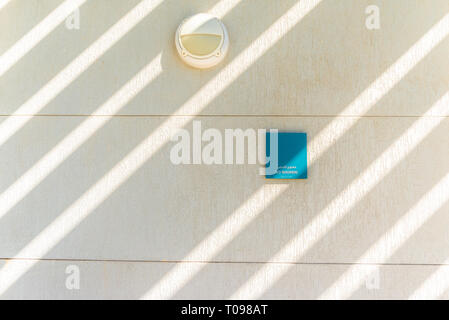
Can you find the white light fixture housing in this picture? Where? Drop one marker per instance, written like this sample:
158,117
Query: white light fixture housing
202,41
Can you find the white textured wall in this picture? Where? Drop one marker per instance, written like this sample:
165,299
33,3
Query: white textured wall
86,178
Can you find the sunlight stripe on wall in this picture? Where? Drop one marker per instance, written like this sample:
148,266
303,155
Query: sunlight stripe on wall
436,286
217,240
93,197
403,229
35,35
51,235
223,7
4,3
40,170
39,100
347,199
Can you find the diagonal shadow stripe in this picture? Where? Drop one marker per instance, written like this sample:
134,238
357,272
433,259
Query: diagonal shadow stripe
42,168
345,201
33,105
89,91
415,133
411,220
431,281
178,277
175,278
255,230
427,125
22,186
45,165
421,128
392,70
10,11
34,36
437,283
152,143
29,75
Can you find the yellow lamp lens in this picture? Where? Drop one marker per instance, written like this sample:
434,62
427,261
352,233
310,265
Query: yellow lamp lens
200,44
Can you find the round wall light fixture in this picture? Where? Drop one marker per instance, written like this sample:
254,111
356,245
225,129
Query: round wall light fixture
202,41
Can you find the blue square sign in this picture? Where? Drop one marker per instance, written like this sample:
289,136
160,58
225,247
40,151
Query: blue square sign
292,155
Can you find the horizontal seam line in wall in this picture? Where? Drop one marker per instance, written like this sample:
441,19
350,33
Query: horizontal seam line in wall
223,116
226,262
